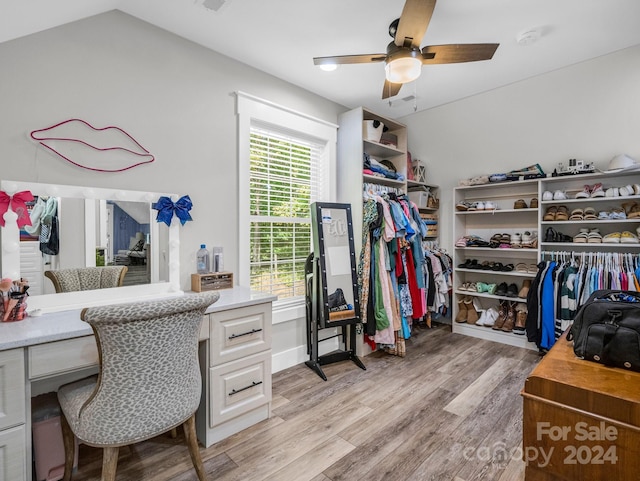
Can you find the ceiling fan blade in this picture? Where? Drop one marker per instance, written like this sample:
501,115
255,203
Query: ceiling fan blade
458,53
342,59
414,21
390,89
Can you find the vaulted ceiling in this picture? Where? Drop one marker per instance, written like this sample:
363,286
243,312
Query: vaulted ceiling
281,37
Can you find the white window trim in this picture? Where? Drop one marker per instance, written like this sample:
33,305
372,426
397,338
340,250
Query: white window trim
250,109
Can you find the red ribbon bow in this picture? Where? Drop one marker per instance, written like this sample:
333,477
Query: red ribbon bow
18,205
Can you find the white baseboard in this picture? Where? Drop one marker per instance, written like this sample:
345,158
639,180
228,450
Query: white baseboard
297,355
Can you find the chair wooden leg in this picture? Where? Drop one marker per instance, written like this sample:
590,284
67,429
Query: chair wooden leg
189,427
68,440
109,463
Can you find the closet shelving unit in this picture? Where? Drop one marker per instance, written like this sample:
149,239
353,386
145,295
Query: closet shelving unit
571,185
506,219
352,145
415,185
485,223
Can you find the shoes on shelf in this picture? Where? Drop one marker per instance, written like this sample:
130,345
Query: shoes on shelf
502,315
562,213
594,236
577,214
625,191
597,191
510,321
526,285
534,203
559,195
512,290
521,319
585,193
488,317
612,192
628,238
590,214
547,195
473,306
529,240
612,238
516,240
582,237
501,290
461,316
520,204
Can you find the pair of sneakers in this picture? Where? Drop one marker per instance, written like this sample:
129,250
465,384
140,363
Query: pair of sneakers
557,195
484,287
488,317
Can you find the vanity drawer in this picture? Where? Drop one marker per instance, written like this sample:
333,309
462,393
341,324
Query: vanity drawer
62,356
12,388
237,333
13,457
240,386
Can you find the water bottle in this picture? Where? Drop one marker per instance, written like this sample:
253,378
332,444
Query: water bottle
202,260
218,262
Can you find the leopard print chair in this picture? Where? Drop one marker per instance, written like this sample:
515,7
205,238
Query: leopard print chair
149,380
87,278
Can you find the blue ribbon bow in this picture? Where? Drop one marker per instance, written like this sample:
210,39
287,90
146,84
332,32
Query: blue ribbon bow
166,208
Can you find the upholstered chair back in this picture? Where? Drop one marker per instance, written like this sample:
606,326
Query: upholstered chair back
149,379
87,278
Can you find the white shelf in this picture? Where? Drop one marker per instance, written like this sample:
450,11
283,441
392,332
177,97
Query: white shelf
508,252
591,245
513,273
488,334
497,211
491,296
373,179
591,199
381,150
594,221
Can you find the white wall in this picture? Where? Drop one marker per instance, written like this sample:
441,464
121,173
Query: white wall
175,97
587,111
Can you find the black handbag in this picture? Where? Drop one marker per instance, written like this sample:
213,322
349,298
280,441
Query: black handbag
606,329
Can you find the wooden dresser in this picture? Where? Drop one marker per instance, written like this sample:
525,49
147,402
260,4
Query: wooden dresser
581,420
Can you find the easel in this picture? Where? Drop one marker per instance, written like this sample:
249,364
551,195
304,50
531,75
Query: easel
347,327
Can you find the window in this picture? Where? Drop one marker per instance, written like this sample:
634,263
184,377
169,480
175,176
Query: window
286,159
285,176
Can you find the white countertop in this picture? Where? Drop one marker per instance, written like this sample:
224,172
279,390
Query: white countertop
61,325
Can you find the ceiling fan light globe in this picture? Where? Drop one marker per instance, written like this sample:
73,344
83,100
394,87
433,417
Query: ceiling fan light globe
328,67
403,69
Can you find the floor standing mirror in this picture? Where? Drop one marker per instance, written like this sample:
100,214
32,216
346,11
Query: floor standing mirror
332,285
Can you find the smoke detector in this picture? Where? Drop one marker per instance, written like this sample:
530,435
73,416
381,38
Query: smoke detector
528,37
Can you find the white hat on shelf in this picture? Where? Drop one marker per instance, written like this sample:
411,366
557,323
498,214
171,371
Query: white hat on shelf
621,162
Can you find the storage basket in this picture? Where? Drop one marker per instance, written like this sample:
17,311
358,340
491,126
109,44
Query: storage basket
372,130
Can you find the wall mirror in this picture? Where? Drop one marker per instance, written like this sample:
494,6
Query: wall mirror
96,227
334,249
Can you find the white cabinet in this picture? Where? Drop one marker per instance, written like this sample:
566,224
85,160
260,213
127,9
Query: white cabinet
504,219
236,372
12,416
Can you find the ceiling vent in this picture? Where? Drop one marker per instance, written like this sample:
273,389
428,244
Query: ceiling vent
214,5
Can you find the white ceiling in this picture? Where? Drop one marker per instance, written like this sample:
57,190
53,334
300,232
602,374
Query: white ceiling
282,36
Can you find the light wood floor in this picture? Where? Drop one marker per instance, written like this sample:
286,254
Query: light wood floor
449,410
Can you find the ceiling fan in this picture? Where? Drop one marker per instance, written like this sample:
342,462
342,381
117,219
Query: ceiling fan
404,58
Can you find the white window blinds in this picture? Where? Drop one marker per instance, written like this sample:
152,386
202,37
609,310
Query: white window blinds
286,174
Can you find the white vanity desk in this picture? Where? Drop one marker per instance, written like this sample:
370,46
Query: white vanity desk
40,353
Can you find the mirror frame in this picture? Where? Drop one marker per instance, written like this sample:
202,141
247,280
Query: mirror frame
10,238
321,296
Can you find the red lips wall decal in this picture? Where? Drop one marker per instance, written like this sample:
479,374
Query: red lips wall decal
106,149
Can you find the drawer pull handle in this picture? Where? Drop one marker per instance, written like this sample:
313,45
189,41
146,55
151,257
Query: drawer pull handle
248,333
236,391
